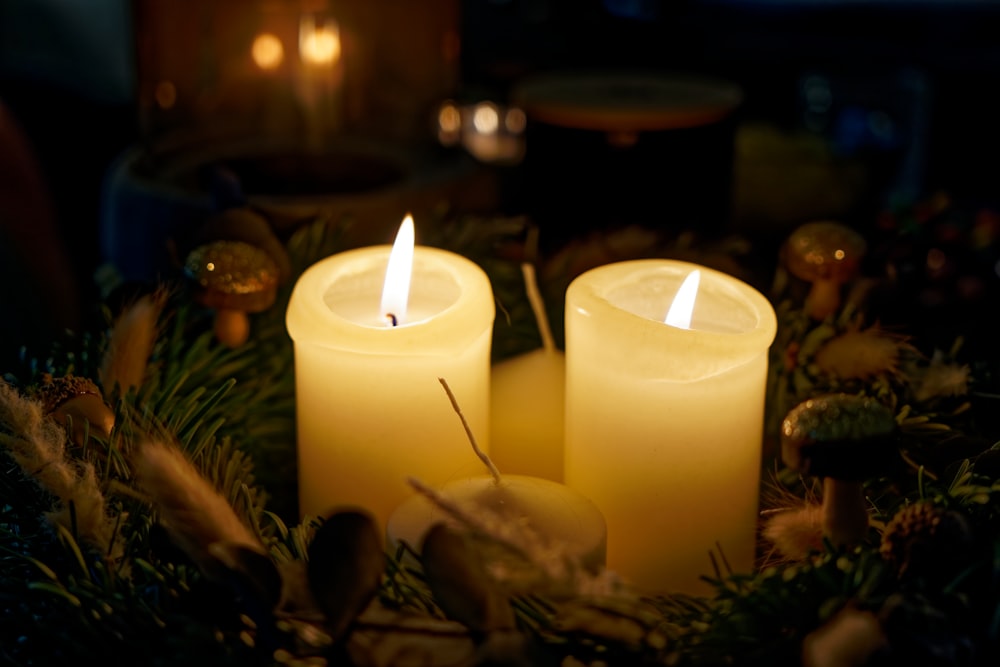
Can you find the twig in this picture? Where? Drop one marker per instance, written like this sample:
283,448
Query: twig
538,306
468,431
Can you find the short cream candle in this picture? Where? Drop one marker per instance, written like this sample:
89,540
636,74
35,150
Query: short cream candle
557,514
369,413
527,402
664,424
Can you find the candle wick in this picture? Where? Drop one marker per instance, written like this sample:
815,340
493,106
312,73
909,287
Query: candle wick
538,306
392,319
468,431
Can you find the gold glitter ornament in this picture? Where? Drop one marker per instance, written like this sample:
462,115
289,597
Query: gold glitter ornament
233,278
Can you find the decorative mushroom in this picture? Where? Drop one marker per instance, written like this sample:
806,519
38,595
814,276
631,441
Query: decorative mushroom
233,278
844,439
250,226
827,255
76,403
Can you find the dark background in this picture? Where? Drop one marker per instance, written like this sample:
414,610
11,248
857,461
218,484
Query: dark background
67,80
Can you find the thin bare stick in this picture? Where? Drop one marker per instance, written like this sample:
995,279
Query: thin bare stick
537,306
468,431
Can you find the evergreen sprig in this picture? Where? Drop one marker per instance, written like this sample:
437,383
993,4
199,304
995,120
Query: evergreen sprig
232,413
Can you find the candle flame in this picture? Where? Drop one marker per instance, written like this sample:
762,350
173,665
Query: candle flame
681,309
396,289
319,41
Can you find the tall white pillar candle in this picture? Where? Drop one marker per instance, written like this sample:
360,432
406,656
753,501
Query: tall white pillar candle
664,424
369,413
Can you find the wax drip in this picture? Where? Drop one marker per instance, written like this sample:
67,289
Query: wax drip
468,431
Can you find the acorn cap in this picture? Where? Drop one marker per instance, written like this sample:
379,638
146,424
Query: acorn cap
233,275
53,392
839,436
78,398
824,250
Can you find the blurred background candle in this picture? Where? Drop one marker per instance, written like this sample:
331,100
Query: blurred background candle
664,424
527,401
368,401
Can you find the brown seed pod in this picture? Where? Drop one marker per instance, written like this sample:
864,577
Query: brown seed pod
461,583
345,567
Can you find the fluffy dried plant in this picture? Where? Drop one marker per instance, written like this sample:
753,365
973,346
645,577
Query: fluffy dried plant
521,558
191,510
130,344
38,445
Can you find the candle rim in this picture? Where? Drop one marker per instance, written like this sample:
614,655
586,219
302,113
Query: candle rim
309,320
587,297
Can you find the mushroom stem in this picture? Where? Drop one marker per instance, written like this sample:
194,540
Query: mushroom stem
845,512
232,327
823,299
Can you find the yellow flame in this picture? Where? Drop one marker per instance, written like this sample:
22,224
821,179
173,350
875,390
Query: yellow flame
396,289
319,42
486,118
682,308
267,51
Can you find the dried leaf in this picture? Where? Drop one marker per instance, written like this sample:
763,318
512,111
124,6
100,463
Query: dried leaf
461,584
346,561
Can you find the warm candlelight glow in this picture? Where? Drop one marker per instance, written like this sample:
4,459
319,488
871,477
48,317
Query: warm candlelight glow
267,51
449,118
319,41
396,289
679,314
486,118
515,121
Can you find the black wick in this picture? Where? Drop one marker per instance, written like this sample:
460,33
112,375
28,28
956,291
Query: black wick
392,318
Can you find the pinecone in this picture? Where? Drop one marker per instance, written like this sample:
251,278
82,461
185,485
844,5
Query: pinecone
924,539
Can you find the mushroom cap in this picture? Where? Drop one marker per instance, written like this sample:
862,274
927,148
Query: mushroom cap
233,275
841,436
250,226
824,250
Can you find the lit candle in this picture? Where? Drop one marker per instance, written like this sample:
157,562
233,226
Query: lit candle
517,508
527,402
320,77
368,408
664,422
